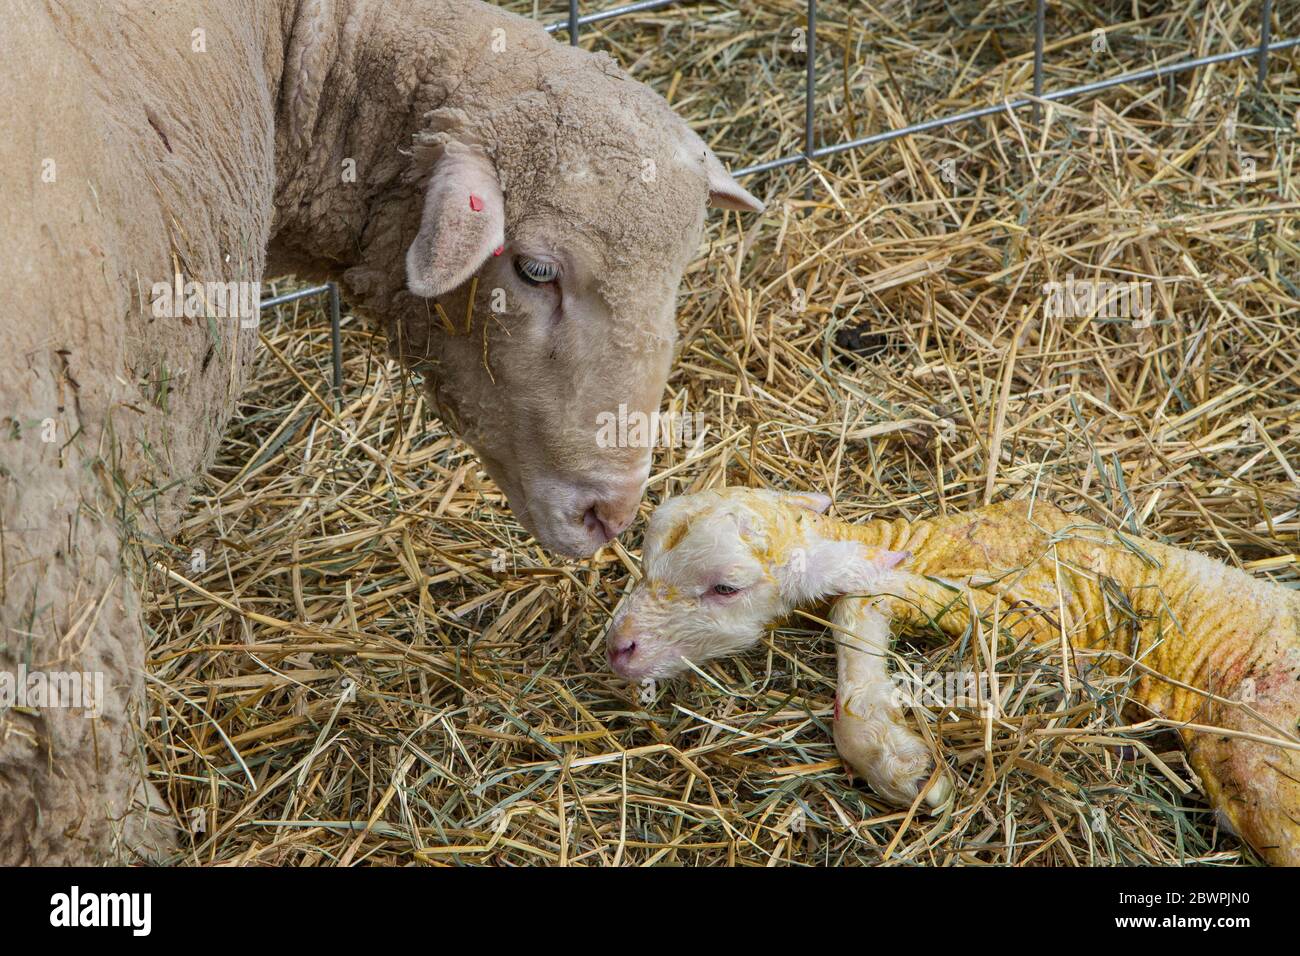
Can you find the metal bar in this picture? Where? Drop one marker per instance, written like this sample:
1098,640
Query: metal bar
1071,91
295,296
336,321
1265,32
1261,52
811,152
809,95
642,7
1040,17
336,343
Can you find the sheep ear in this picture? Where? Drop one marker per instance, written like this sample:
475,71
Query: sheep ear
462,225
811,500
725,192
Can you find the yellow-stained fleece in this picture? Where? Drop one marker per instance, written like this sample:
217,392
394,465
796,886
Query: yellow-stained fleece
1216,648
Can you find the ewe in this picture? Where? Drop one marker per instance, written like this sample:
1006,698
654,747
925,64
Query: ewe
517,214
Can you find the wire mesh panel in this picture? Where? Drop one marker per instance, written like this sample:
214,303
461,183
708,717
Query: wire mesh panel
812,152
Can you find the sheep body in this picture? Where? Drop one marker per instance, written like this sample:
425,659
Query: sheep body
127,168
1217,651
208,141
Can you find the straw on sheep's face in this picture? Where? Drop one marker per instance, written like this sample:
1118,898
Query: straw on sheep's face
722,565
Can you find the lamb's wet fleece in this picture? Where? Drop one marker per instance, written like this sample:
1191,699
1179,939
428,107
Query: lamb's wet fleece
1195,625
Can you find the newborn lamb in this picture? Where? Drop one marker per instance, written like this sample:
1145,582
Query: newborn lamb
1217,650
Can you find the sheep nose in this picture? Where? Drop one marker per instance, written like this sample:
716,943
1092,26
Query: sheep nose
620,652
609,517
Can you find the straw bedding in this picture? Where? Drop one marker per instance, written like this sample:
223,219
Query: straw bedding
372,663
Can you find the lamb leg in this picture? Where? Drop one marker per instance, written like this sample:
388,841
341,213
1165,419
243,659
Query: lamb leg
871,733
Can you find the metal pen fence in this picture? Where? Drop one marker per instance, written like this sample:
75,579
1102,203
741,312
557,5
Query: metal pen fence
811,151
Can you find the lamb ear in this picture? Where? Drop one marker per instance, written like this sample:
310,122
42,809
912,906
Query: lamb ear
811,500
888,560
833,568
463,222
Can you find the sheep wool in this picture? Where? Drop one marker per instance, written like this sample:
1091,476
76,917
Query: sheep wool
164,158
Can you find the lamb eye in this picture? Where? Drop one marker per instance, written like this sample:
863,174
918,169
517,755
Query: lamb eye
724,589
534,271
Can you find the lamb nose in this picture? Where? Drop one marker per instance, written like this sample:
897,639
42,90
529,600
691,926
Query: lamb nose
620,653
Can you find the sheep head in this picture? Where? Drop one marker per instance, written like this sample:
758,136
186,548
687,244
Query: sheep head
523,215
719,566
558,218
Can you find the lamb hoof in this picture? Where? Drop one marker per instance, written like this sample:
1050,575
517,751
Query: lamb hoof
893,760
938,795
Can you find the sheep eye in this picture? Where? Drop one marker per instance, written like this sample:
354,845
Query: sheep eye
535,272
724,589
